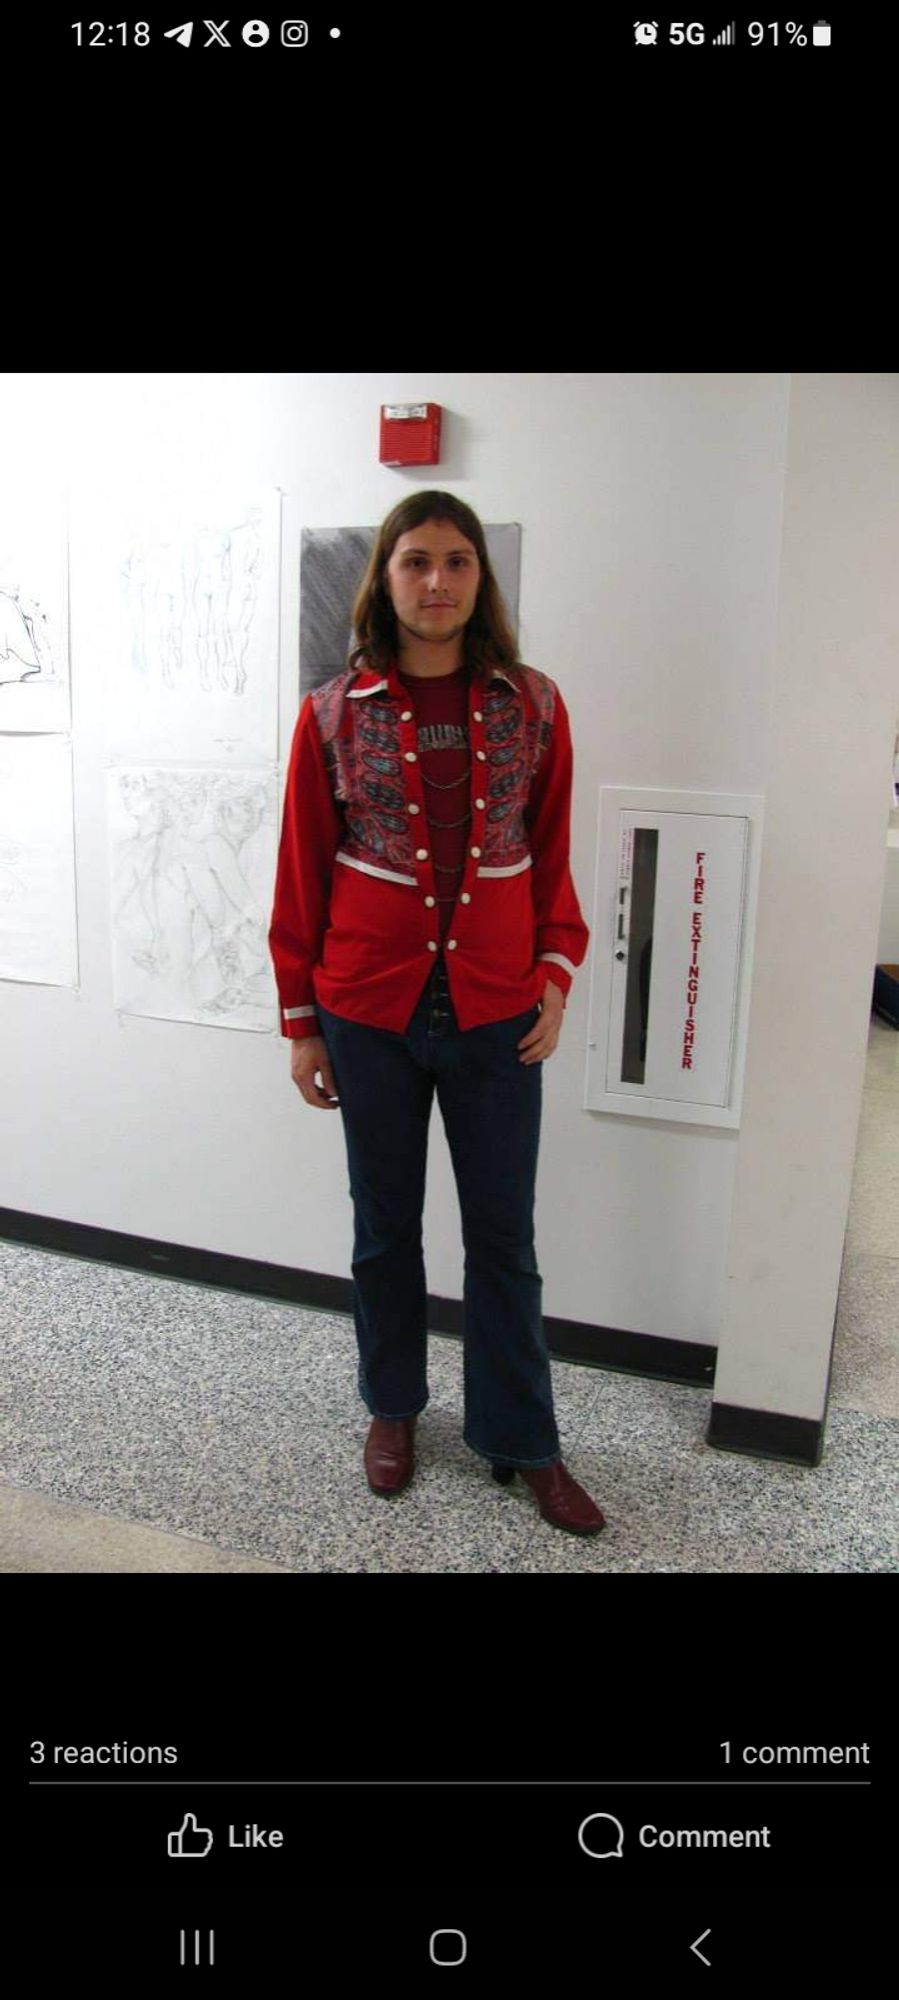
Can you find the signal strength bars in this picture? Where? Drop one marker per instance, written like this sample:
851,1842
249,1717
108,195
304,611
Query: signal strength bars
727,35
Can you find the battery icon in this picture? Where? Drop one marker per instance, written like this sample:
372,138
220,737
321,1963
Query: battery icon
821,34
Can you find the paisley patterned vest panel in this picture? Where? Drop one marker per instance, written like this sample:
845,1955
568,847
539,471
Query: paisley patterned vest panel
363,759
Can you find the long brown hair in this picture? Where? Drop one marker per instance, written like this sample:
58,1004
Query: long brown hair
488,640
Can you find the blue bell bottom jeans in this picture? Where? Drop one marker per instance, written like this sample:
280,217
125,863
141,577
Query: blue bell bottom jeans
490,1102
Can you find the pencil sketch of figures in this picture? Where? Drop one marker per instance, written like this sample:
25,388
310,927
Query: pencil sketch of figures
227,564
247,548
34,667
199,607
193,855
211,590
218,577
134,580
24,639
154,600
135,914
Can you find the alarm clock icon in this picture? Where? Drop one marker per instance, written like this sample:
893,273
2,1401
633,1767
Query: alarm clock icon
646,32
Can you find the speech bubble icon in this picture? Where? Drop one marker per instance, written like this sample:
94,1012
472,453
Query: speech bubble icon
607,1842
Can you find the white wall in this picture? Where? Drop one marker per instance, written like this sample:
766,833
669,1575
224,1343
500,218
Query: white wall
703,638
821,891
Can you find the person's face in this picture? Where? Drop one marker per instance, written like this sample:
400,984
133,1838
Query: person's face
432,580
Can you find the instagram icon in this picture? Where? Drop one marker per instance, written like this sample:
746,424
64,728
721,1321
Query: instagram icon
294,34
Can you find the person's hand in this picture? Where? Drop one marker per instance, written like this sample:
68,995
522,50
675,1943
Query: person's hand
543,1036
309,1054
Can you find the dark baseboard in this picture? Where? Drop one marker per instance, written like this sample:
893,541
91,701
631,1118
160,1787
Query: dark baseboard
760,1433
766,1434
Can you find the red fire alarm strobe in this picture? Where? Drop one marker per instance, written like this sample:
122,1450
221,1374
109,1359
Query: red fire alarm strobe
410,433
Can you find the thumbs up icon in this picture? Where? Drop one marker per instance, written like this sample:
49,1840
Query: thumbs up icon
190,1838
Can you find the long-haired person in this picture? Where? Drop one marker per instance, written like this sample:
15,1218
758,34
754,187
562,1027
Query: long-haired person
424,934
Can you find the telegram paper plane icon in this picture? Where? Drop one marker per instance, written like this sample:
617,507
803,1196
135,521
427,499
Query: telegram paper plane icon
182,34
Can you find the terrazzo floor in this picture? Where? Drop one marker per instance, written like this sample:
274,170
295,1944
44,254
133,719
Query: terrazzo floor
155,1425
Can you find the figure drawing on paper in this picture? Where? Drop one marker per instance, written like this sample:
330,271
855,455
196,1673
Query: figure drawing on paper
190,886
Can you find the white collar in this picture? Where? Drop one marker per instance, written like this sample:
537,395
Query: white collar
355,694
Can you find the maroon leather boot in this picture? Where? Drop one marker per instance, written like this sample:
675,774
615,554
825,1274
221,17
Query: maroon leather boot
562,1502
390,1454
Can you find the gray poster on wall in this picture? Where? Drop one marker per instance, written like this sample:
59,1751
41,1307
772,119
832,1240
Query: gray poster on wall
332,565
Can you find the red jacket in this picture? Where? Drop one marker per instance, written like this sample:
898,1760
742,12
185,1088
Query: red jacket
354,921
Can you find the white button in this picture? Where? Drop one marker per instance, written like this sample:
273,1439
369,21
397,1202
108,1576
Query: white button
421,853
465,897
406,715
430,900
479,802
482,754
414,809
451,944
411,757
432,944
474,850
478,716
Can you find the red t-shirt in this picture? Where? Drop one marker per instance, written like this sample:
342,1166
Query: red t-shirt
441,716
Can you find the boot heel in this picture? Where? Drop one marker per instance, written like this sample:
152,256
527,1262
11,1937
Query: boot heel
504,1474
